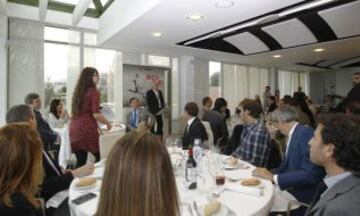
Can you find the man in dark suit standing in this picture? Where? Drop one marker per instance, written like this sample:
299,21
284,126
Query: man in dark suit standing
335,146
155,102
56,179
194,128
296,174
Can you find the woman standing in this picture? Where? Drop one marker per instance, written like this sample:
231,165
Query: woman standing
84,130
58,115
138,179
21,170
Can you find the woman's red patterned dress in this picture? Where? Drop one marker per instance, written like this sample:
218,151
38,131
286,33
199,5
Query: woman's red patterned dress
84,132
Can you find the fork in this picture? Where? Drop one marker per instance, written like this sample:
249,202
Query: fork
196,208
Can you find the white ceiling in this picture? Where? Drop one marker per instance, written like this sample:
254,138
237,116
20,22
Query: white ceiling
169,17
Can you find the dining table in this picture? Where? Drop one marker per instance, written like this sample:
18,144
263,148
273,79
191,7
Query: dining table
66,156
235,199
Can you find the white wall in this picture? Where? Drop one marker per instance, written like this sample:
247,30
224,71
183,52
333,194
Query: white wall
201,75
343,82
26,56
3,67
187,75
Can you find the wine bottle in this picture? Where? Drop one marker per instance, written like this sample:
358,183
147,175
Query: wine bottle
190,170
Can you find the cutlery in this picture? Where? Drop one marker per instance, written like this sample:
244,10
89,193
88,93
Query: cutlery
196,208
234,179
190,209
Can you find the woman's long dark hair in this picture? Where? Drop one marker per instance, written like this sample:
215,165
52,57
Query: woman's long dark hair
53,107
84,82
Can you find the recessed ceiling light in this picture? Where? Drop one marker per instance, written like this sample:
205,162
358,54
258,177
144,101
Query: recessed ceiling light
195,17
277,56
156,34
224,4
319,50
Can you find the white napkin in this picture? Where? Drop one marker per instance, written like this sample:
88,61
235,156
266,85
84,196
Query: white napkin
57,199
244,189
281,200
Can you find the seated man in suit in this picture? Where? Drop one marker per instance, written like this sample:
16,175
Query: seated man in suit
218,123
296,174
207,104
55,179
48,136
255,139
194,128
336,147
138,115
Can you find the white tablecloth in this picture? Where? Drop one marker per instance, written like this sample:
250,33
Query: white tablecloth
240,203
65,155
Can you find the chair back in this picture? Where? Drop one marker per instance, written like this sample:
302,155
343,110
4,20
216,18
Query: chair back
107,141
209,132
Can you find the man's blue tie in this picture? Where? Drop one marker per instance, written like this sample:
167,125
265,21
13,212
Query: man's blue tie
134,119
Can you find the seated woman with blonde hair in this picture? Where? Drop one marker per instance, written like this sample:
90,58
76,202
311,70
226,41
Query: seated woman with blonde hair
21,170
138,179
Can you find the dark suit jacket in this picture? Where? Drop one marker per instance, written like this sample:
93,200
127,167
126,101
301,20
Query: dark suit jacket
341,199
47,135
217,124
21,207
153,103
297,174
196,131
354,94
53,182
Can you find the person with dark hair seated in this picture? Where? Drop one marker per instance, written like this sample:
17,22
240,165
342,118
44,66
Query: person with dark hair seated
194,128
254,141
48,136
335,146
138,115
296,177
21,171
58,116
217,121
207,104
353,107
56,179
272,103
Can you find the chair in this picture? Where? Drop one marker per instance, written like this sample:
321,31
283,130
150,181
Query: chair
208,131
107,141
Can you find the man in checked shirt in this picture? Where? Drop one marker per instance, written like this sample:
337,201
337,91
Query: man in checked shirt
254,142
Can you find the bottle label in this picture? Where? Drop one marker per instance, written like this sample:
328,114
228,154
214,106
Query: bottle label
191,174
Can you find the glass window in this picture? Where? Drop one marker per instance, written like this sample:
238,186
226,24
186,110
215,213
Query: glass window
59,61
159,60
61,35
214,80
72,2
105,62
103,2
90,39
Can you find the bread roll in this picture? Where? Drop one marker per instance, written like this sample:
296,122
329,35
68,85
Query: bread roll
86,182
232,161
251,182
211,208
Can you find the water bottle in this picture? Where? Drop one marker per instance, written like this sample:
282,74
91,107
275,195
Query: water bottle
197,150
